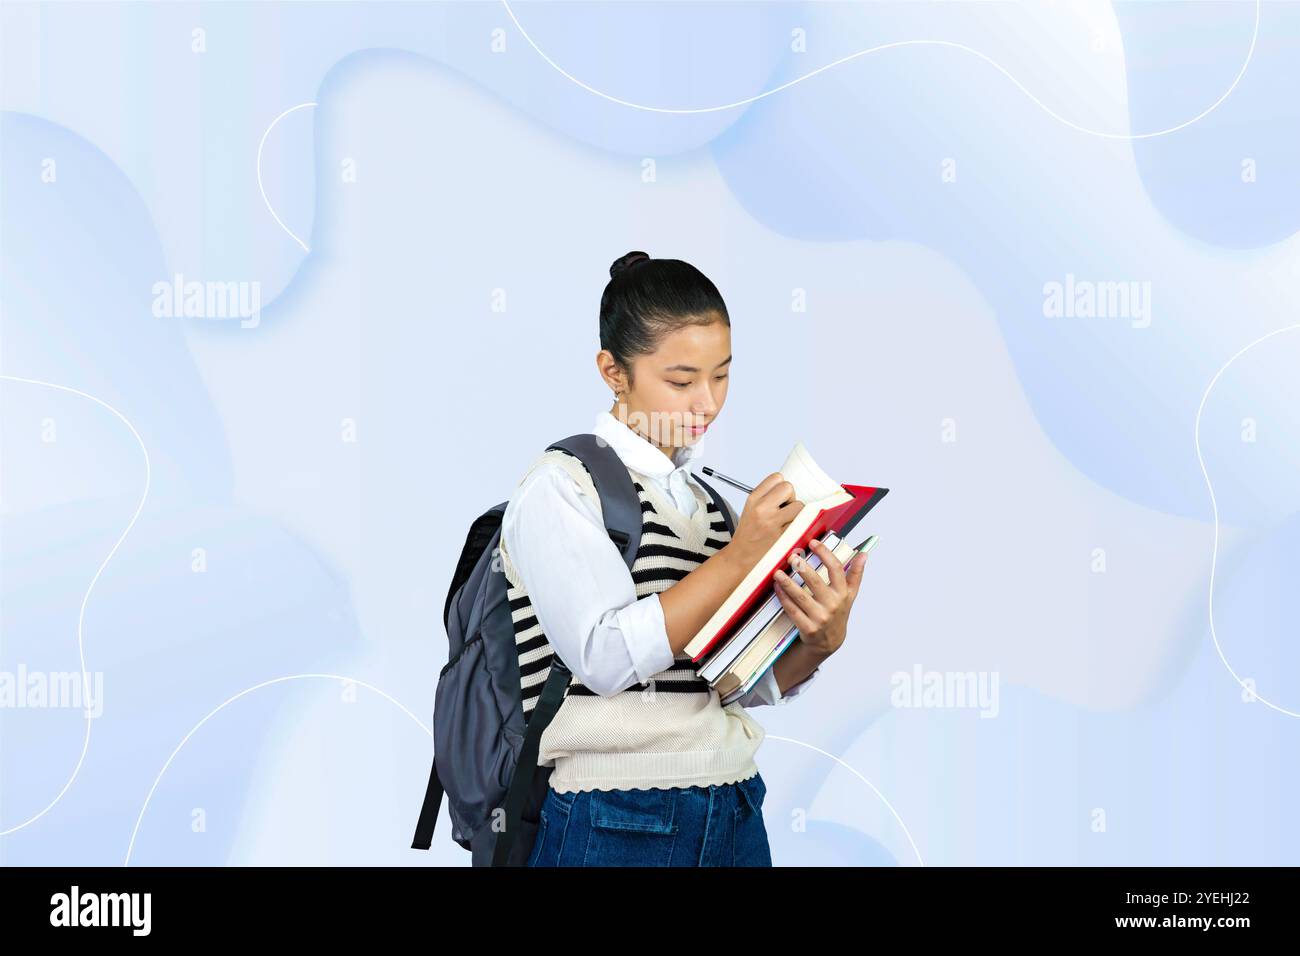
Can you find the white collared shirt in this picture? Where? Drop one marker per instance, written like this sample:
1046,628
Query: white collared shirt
578,582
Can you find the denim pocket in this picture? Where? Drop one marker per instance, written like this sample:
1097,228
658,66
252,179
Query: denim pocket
644,811
753,790
631,828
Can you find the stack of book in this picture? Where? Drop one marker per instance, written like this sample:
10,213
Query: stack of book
750,630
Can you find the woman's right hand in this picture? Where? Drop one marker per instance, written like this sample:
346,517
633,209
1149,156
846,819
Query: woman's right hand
770,507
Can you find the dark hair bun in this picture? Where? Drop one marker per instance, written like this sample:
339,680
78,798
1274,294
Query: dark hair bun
638,308
623,262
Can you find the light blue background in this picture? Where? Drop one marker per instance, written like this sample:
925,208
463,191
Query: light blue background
480,167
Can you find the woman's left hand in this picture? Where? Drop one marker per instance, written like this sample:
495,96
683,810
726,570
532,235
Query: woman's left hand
822,616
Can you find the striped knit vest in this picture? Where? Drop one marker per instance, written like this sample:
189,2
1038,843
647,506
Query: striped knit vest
662,560
697,741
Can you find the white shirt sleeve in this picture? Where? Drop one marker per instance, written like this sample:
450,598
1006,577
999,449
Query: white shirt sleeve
580,586
768,691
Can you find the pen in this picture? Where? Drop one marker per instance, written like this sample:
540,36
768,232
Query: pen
731,481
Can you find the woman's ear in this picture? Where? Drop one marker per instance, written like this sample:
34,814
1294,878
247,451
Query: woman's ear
610,371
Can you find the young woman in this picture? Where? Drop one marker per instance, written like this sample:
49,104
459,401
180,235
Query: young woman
649,768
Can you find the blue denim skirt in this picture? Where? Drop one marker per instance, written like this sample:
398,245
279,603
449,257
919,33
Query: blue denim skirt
678,826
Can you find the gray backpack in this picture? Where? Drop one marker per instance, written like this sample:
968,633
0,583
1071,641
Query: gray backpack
485,757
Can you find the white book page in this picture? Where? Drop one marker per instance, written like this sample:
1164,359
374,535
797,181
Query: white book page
811,483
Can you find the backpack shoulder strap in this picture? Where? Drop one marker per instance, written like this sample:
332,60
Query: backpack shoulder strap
720,502
620,508
619,503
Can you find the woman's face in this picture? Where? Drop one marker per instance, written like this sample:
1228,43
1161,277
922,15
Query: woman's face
678,390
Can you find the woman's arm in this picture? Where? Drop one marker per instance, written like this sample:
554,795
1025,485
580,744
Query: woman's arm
689,603
586,601
768,691
796,668
580,586
694,599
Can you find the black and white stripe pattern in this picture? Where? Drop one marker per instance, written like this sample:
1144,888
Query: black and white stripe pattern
672,545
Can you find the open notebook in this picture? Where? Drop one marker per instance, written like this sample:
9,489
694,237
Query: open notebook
828,506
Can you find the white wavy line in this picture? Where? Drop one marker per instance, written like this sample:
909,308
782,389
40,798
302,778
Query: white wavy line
1215,504
218,708
852,56
420,724
81,618
888,805
261,188
902,43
